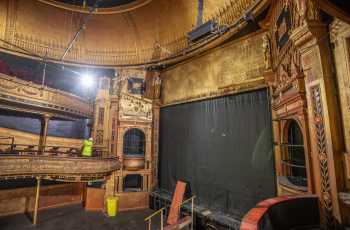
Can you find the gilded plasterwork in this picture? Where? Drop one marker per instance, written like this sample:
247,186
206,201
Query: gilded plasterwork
112,39
209,74
134,108
14,90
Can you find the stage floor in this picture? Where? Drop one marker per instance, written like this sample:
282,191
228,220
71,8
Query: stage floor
74,217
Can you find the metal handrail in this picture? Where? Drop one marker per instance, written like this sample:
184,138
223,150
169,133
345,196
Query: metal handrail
161,211
154,214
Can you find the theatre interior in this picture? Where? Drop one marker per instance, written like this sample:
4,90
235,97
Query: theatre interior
174,114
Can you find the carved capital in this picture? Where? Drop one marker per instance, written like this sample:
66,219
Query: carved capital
46,117
308,35
269,77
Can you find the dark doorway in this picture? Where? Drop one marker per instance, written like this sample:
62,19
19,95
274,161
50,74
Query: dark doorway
133,183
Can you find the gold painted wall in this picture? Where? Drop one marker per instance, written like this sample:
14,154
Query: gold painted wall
230,68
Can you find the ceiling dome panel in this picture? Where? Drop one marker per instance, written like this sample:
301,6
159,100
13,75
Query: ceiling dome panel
148,34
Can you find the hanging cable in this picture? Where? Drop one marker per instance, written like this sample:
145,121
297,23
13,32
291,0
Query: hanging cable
82,28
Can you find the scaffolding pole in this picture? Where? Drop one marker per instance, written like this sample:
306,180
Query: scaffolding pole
35,217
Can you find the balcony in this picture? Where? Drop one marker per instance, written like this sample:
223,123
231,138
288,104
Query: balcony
19,95
54,163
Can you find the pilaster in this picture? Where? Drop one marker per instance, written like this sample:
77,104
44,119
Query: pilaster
324,122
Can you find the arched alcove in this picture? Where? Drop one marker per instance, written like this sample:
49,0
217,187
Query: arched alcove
134,143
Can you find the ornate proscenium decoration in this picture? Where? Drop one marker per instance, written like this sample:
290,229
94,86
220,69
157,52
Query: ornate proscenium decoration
126,124
302,91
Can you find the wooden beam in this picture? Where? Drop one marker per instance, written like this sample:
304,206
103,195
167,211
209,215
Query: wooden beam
334,11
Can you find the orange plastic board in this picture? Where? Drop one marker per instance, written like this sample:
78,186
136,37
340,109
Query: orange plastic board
174,214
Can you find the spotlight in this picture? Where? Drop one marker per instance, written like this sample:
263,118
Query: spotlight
87,81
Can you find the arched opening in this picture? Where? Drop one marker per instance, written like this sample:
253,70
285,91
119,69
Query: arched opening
294,158
134,143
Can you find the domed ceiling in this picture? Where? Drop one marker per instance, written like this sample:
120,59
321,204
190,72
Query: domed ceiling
148,32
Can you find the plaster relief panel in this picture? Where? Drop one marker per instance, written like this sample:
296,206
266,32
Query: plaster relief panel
132,107
206,75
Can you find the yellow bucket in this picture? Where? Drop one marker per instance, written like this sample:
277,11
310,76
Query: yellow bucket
112,206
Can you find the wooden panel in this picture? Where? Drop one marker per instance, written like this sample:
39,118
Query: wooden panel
22,200
347,164
176,202
95,199
133,200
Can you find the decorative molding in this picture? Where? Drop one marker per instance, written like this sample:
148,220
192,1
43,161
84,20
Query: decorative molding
40,99
218,72
286,81
326,194
134,108
172,49
57,168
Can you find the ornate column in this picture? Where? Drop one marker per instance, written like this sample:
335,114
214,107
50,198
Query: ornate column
44,129
311,38
101,132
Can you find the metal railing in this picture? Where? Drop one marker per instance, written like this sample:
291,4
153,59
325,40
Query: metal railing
161,211
294,169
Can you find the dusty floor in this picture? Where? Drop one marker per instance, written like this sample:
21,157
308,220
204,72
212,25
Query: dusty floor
76,218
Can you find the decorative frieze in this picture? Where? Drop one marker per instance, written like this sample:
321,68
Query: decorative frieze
57,168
